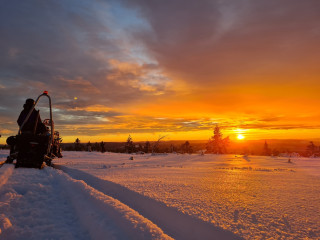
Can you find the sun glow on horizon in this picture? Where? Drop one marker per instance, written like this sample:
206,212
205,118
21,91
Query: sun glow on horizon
240,137
240,133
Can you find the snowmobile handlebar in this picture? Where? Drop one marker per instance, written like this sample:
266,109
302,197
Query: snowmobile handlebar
45,93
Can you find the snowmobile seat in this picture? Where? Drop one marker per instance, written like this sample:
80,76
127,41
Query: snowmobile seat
32,150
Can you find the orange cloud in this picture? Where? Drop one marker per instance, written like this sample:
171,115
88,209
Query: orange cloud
93,108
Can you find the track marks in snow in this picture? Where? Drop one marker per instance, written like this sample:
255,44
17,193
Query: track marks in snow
105,217
48,204
34,204
171,221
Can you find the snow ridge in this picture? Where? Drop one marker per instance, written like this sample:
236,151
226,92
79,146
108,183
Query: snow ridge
105,217
5,172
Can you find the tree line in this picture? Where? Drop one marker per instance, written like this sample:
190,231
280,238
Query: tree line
216,144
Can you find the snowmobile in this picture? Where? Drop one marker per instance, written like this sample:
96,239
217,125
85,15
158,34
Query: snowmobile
32,150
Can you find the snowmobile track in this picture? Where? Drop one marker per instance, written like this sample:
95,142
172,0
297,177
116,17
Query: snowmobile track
174,223
49,199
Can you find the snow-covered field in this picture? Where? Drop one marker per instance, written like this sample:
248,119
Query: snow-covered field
108,196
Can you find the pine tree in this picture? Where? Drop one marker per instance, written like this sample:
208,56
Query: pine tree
217,144
77,146
102,148
129,145
89,147
186,148
266,149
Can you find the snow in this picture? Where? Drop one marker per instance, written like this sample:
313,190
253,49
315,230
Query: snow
48,204
108,196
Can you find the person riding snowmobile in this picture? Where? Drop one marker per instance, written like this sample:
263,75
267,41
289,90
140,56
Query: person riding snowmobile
33,125
37,142
34,120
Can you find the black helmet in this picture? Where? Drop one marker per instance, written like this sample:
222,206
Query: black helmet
29,103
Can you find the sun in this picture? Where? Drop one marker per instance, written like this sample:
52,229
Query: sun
240,136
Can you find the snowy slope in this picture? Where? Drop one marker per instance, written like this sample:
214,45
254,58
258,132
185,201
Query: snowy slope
108,196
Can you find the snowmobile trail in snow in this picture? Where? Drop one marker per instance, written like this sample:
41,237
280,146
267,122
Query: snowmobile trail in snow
174,223
48,204
33,206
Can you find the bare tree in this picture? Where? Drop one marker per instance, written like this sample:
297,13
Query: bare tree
156,144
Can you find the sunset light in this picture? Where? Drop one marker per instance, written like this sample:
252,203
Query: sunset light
240,137
160,119
120,70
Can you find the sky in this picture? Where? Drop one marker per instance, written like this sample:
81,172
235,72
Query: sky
153,68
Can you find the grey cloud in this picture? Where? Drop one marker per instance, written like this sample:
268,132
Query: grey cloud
63,47
210,41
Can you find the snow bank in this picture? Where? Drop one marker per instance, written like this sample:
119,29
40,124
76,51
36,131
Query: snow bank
5,173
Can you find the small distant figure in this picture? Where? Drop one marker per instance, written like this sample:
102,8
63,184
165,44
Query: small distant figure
289,160
102,147
131,158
